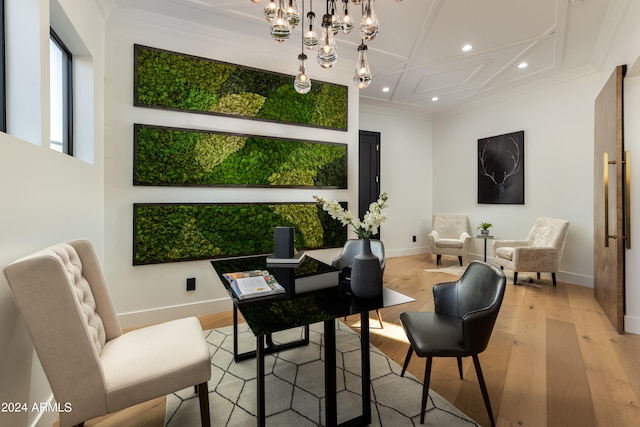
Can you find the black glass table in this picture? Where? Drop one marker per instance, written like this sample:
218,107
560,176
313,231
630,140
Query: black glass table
314,293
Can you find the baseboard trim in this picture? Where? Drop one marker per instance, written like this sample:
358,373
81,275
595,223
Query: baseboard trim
563,276
163,314
406,252
632,325
46,418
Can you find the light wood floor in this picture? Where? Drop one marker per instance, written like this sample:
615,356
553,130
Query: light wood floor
553,360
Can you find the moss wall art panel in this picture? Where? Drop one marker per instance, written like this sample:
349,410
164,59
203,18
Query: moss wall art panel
172,232
186,157
176,81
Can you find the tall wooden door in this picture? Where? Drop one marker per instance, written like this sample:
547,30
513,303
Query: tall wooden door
369,170
610,234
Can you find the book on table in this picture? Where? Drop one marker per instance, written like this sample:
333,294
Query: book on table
254,283
293,261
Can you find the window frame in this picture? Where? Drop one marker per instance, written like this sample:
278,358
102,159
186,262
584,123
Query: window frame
67,143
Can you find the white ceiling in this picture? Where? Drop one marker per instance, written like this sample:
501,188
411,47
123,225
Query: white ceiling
418,53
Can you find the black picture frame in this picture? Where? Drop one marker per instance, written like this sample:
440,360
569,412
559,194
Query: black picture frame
176,232
175,81
501,169
172,156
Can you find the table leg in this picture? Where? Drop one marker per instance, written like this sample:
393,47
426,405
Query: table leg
235,333
485,250
331,404
366,367
260,400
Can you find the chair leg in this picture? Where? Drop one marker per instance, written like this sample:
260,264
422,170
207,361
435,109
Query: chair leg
438,258
483,388
538,274
460,367
515,277
203,396
460,260
406,361
425,389
380,319
553,277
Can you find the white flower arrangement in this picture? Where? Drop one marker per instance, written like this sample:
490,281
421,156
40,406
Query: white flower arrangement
364,228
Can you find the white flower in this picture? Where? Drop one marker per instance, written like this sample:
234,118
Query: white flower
364,228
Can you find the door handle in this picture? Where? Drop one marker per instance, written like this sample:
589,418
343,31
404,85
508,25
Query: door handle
627,201
606,199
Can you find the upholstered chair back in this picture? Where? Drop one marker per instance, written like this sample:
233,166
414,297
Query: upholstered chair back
352,248
450,225
548,232
63,285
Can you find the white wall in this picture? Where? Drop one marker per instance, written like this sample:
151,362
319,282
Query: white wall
144,294
47,197
558,164
405,173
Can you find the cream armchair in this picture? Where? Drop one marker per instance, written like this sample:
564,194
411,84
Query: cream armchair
450,235
90,364
541,252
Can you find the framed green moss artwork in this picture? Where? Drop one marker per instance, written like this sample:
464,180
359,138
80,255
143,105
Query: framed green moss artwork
172,232
186,157
181,82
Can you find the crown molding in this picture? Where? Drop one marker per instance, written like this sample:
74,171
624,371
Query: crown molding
105,7
609,30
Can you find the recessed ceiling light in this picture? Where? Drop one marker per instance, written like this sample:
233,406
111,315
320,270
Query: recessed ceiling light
435,98
523,65
467,48
385,89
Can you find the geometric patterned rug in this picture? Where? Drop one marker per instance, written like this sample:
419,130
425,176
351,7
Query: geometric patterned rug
295,386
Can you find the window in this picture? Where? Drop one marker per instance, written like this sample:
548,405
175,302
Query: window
61,95
3,98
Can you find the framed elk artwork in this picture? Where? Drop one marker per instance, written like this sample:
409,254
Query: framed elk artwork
501,169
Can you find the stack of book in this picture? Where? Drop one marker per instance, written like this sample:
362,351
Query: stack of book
255,283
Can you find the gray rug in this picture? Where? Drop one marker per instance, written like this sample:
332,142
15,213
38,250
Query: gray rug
295,386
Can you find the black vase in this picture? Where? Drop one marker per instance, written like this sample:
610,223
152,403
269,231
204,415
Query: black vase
366,274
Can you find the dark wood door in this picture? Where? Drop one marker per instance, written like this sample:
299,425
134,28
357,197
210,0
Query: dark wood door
368,170
609,203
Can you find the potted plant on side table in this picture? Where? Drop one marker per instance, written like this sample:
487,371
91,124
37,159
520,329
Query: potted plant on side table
484,228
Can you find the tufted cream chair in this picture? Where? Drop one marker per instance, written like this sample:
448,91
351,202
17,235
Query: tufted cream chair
450,235
90,364
541,252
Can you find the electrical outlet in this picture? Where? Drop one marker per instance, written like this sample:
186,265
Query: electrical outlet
191,284
414,238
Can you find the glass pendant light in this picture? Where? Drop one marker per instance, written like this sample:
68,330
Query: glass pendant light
310,39
356,2
302,83
336,22
327,54
362,77
369,23
292,15
280,28
347,22
270,10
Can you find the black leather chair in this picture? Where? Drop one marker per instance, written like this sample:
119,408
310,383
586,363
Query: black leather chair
351,249
465,312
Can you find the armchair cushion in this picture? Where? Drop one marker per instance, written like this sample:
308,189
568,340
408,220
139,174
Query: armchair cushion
541,252
450,234
143,364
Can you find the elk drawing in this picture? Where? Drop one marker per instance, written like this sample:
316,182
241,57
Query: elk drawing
499,164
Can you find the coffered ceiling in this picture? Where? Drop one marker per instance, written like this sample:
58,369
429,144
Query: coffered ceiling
419,55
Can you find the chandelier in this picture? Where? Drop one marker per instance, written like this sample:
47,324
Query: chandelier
284,17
